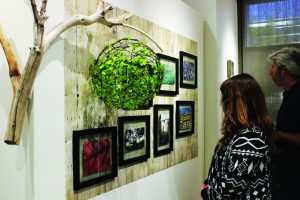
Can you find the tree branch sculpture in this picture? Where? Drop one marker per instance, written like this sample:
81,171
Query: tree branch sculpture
22,84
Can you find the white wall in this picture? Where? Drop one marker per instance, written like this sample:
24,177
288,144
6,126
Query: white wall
227,35
16,162
34,169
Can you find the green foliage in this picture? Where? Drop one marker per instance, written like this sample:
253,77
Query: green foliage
169,75
127,74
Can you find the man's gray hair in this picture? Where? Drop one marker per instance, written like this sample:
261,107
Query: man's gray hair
288,57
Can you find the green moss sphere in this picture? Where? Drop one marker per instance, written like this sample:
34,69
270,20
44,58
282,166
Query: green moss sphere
127,74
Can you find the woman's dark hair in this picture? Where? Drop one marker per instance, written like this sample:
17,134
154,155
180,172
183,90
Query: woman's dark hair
243,104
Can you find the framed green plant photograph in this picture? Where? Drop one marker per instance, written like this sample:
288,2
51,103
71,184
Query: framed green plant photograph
169,85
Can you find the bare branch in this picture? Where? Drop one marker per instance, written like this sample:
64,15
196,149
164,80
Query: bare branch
34,11
21,99
82,20
100,6
14,72
42,16
73,21
120,19
43,8
108,8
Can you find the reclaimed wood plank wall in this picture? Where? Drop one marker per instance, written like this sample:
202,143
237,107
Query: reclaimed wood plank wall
83,110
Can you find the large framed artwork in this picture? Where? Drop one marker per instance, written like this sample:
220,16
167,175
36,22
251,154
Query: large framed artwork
188,70
169,85
163,129
134,139
94,156
185,118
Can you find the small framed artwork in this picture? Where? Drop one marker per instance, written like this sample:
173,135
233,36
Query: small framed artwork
163,129
188,70
185,118
230,68
169,85
134,139
94,156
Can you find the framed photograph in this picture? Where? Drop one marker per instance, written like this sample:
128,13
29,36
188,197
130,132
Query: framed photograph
188,70
163,129
169,86
185,118
134,139
94,156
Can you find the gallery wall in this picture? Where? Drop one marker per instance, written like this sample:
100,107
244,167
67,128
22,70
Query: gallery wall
85,111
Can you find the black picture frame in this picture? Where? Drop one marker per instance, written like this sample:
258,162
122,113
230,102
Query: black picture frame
169,86
185,118
134,139
163,129
188,70
90,168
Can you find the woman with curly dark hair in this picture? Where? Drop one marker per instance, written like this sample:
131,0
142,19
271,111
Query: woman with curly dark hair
240,167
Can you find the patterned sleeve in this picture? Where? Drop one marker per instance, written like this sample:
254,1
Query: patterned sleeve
242,159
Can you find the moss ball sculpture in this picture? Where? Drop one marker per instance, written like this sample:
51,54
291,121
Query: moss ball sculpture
126,74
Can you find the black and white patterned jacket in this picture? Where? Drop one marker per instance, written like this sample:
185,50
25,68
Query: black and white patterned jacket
241,170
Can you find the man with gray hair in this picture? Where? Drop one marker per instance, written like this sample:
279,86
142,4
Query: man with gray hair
285,72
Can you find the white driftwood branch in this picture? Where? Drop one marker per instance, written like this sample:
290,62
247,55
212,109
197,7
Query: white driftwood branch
88,20
34,11
20,102
14,73
97,17
41,44
100,6
104,11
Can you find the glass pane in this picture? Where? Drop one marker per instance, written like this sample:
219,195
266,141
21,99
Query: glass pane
272,23
255,63
268,26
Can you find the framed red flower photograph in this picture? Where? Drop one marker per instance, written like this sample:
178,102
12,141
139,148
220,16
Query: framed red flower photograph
94,156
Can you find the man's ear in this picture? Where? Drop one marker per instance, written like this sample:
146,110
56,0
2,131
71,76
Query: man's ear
283,70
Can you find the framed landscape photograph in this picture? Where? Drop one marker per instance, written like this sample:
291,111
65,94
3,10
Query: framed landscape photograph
134,139
169,85
94,156
185,118
188,70
163,129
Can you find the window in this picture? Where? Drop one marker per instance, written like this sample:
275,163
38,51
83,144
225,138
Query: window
264,27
